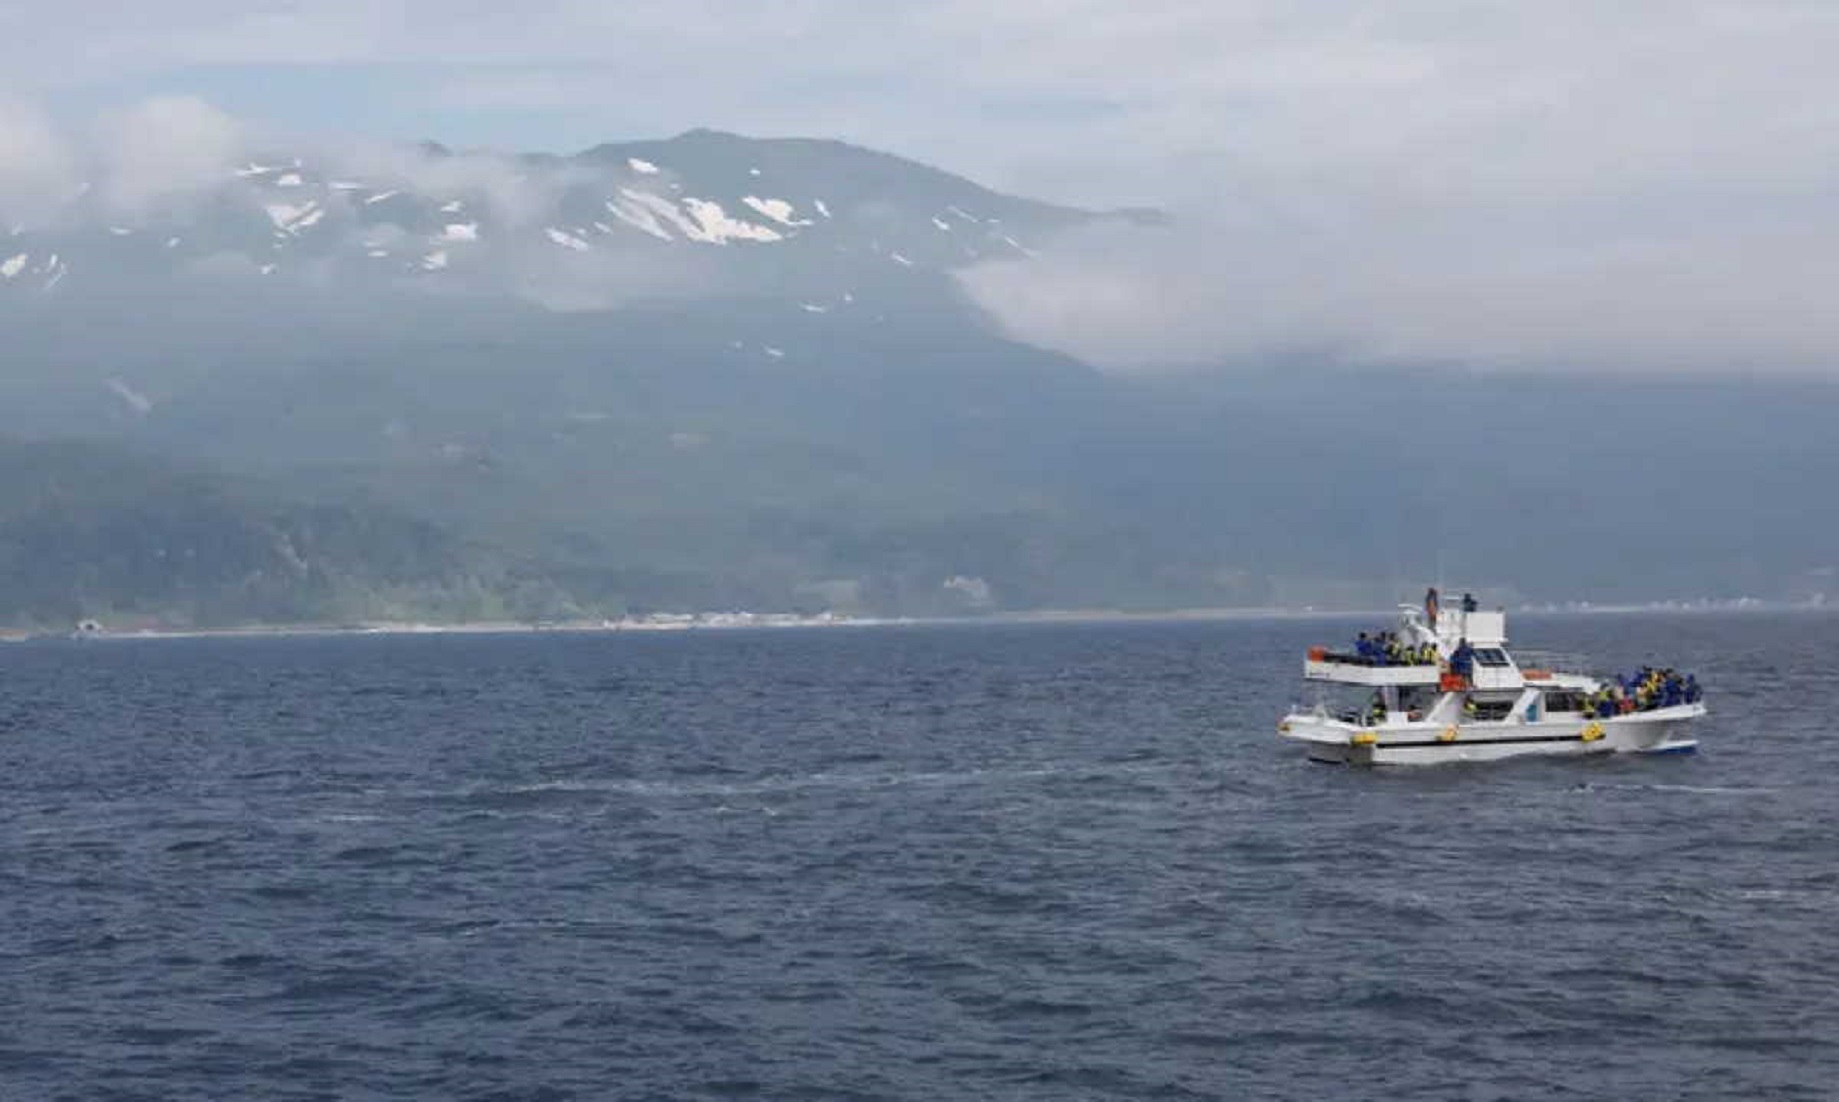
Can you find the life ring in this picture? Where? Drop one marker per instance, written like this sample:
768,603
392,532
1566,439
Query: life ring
1363,738
1592,731
1449,734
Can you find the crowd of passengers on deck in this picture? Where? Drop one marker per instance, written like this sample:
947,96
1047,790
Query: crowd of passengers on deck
1385,648
1643,691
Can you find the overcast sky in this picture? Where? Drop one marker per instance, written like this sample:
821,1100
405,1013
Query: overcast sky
1650,180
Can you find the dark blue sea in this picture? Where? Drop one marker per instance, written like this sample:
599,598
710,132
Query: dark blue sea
1054,862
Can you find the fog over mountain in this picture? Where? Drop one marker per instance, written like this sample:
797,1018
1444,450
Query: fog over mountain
719,371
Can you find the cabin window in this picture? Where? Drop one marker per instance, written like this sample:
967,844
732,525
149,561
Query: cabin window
1490,711
1491,656
1563,702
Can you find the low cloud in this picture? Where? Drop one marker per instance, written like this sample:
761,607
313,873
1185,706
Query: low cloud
517,195
156,165
38,172
164,150
132,162
1731,286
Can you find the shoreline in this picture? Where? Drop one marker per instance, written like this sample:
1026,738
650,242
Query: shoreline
668,623
743,621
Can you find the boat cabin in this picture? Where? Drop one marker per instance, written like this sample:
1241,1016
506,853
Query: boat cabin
1459,671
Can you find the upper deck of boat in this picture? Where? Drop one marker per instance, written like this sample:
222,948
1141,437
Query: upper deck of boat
1418,654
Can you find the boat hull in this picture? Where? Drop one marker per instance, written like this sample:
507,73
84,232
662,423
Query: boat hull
1655,732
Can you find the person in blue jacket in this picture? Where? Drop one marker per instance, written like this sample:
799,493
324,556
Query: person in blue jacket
1462,660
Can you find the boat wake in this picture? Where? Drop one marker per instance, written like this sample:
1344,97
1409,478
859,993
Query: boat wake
1694,789
779,785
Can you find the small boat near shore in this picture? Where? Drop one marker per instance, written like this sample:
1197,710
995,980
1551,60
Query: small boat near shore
1442,686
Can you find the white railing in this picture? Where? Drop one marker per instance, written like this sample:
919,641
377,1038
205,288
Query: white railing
1553,662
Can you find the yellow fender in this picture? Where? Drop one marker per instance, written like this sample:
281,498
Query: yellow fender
1592,731
1449,734
1363,738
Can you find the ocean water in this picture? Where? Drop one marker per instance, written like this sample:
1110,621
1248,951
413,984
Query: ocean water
1066,861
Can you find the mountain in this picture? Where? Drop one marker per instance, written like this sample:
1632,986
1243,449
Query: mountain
816,220
93,532
715,371
723,365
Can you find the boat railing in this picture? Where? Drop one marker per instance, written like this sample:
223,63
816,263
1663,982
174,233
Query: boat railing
1346,658
1533,662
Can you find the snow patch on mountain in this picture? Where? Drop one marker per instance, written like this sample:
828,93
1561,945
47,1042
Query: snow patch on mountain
291,218
715,227
643,168
283,214
778,210
565,239
635,212
12,266
137,401
460,231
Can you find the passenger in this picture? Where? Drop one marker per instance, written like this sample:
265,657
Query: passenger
1462,662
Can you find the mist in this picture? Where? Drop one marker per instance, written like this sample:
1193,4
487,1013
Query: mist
1719,284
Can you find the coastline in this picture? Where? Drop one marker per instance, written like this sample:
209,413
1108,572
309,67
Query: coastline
763,621
661,623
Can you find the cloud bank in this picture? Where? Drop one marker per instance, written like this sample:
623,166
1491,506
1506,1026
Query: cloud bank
1405,288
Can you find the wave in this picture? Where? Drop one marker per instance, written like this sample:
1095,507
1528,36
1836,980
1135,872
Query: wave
1694,789
775,785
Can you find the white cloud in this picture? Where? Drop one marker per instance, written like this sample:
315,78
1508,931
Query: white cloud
164,149
37,170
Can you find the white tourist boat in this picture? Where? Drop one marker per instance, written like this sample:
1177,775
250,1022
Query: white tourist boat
1442,687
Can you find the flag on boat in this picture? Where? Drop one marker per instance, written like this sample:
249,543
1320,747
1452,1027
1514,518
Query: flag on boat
1430,607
